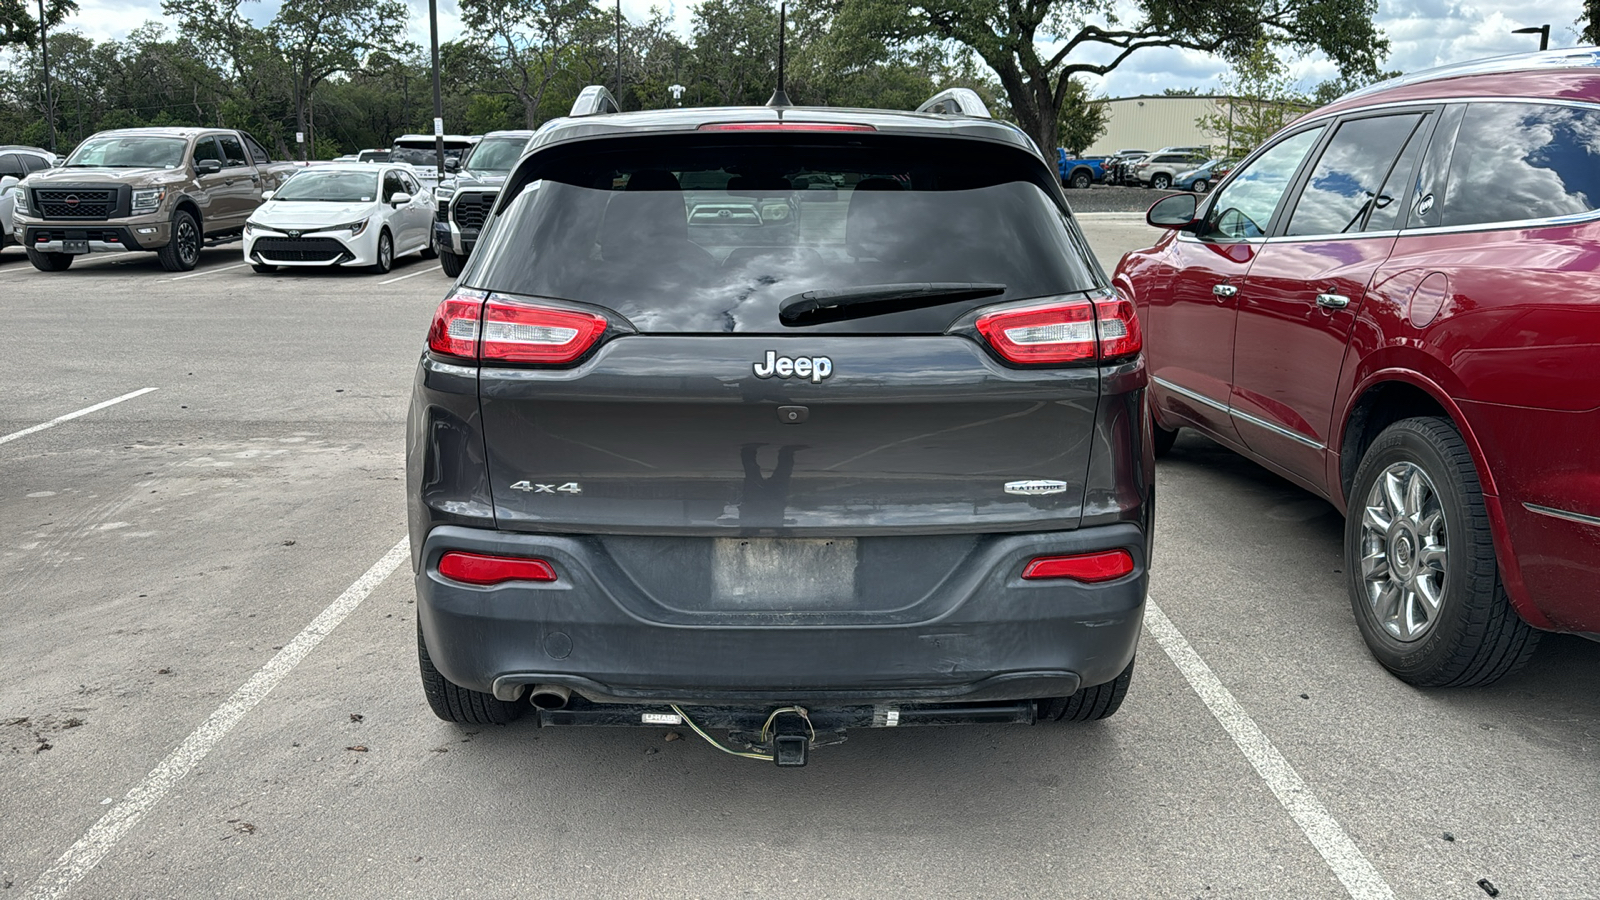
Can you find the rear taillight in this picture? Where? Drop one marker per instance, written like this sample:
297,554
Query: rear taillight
483,569
1107,565
519,332
1119,328
1063,332
455,325
478,326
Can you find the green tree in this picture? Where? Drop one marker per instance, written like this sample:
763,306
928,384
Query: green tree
526,45
1589,22
1037,46
1083,118
19,25
735,52
1258,98
320,38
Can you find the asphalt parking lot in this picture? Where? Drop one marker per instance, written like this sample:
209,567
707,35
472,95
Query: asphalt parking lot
208,681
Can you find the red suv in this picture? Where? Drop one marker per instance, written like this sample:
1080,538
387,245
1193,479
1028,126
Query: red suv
1395,303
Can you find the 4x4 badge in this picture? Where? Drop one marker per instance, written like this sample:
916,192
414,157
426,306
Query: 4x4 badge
1036,487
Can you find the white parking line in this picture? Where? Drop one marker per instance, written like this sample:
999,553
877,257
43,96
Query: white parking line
81,858
208,272
73,415
410,275
1360,879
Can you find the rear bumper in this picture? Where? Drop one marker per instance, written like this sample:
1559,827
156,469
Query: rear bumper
983,634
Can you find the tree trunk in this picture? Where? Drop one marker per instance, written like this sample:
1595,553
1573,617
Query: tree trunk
300,117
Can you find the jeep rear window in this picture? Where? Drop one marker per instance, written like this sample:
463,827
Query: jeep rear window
713,239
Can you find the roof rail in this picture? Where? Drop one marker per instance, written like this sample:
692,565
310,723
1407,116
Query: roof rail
593,100
956,102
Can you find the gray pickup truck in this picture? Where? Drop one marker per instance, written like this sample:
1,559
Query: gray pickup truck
166,190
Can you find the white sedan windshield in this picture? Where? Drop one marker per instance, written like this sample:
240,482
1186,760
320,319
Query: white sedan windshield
333,187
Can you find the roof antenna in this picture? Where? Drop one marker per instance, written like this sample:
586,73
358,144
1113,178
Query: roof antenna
779,98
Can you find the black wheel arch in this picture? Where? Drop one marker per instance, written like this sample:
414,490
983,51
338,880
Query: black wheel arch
1378,407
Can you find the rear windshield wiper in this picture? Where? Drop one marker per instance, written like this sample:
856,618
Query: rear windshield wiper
819,307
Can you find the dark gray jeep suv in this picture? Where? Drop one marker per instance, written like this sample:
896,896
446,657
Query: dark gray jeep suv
780,420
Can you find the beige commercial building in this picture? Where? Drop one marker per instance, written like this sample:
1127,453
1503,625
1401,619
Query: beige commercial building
1150,123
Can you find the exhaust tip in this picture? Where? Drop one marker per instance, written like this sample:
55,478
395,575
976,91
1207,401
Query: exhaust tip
549,696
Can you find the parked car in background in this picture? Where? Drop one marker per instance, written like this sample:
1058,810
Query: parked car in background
342,214
646,467
19,162
1119,166
10,187
1076,172
1393,304
1205,177
1161,168
468,193
421,153
376,155
166,190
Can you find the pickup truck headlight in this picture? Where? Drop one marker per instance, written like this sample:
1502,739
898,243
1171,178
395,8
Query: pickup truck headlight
148,201
22,201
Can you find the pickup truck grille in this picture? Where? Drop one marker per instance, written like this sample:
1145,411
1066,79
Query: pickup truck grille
299,249
471,210
74,203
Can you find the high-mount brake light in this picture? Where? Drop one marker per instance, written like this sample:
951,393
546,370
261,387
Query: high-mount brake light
784,126
455,325
1071,331
528,333
1106,565
1059,333
483,569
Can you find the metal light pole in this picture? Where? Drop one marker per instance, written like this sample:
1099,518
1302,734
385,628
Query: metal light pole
1543,31
49,103
438,104
618,91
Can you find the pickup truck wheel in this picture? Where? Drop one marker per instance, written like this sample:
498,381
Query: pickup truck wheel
454,703
49,262
385,260
450,263
1089,704
264,268
1161,181
1081,180
1424,583
182,252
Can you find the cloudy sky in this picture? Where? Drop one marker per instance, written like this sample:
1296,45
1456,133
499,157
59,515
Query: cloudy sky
1422,33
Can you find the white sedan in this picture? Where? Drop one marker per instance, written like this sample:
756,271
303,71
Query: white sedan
9,188
343,214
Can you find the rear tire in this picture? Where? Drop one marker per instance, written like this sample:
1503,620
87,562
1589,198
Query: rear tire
49,262
1089,704
1161,181
1081,180
432,250
1424,584
454,703
450,263
182,252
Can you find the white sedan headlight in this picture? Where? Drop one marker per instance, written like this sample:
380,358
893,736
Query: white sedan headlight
148,201
354,228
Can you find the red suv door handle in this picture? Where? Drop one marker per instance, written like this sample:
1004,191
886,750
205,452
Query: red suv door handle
1332,301
1224,290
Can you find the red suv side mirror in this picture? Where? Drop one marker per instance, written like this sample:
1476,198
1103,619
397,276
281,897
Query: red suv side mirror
1176,211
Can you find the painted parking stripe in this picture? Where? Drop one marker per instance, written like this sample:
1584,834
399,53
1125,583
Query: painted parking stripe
73,415
81,858
209,272
410,275
1360,879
